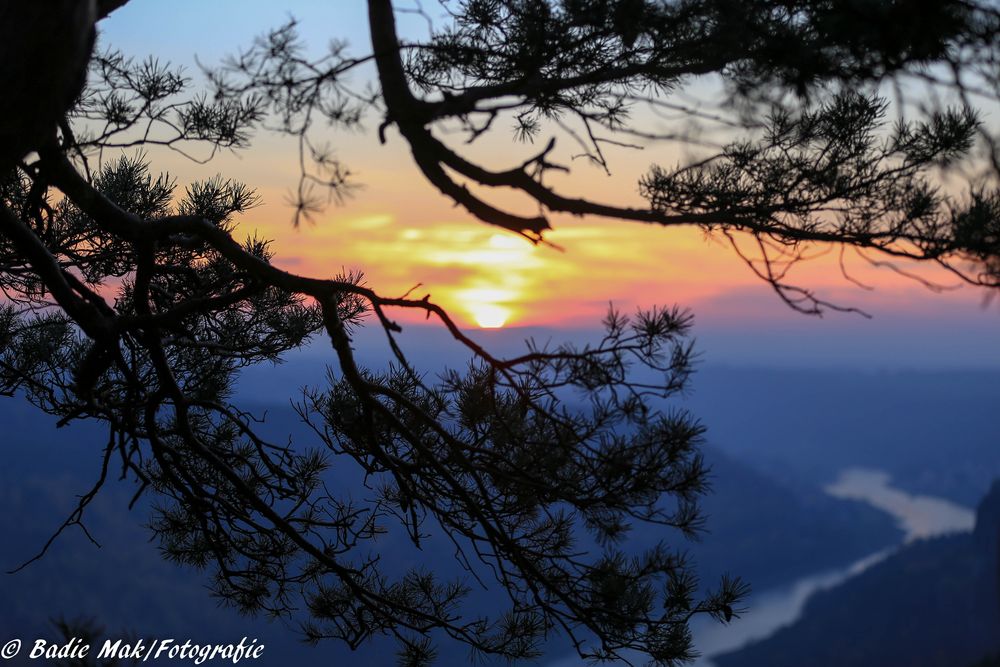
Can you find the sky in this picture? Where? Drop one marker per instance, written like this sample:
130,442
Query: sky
405,236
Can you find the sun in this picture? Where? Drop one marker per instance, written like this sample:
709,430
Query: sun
489,315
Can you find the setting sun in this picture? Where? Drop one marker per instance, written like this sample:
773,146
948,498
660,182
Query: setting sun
489,315
487,306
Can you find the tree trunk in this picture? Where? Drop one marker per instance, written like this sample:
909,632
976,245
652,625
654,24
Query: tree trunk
44,51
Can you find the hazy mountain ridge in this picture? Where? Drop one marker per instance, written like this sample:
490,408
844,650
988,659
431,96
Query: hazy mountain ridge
934,432
126,586
805,530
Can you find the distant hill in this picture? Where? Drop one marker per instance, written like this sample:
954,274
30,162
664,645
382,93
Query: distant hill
770,534
935,603
934,432
764,531
767,532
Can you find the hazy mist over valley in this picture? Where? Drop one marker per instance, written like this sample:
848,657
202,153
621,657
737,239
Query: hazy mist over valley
769,517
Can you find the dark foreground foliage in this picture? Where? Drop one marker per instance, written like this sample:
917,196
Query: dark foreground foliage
135,303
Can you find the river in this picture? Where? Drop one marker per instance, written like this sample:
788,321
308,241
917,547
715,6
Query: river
918,516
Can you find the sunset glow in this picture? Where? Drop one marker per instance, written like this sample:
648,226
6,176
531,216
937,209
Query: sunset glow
490,279
409,239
